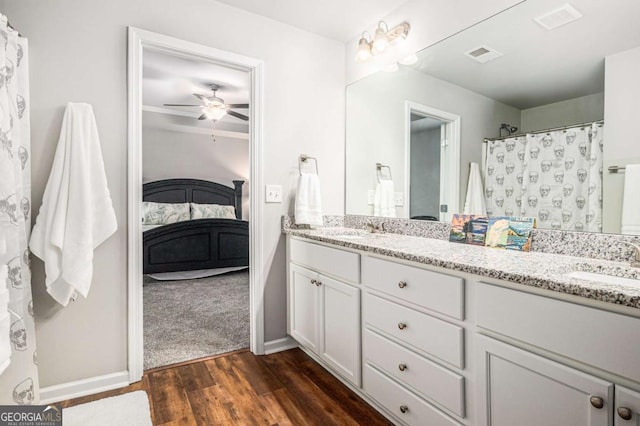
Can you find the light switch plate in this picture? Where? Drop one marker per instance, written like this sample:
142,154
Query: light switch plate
273,193
399,199
371,197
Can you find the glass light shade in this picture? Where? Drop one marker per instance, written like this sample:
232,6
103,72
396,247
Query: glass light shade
392,67
409,60
214,112
380,41
364,50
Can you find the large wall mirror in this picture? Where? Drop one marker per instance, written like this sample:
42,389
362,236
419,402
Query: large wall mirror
544,97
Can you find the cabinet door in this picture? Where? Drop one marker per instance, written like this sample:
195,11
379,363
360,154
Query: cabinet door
517,387
304,302
627,407
340,322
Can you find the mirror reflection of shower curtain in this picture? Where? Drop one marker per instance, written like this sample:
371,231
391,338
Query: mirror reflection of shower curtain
19,382
555,177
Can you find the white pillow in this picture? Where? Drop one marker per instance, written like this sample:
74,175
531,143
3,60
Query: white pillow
212,211
164,213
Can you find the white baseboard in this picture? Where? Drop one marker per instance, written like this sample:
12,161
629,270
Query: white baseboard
279,345
83,387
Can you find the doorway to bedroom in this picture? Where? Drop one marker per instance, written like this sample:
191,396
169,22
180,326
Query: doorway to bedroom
196,192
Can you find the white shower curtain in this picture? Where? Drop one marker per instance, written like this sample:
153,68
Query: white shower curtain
19,382
555,177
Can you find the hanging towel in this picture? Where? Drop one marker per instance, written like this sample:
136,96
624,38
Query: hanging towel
474,203
384,204
631,200
5,321
308,209
76,214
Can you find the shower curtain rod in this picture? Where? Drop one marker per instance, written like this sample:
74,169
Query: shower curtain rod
553,129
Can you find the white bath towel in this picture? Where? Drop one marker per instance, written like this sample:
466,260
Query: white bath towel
384,204
631,200
474,203
5,321
76,214
308,209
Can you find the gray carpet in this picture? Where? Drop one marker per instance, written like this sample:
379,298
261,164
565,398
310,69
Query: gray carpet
190,319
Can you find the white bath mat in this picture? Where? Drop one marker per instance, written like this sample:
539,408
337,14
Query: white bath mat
129,409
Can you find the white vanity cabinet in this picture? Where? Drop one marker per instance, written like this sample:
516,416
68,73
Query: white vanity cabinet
324,312
568,366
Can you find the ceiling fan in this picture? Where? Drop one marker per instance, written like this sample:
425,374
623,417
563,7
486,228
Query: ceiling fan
214,108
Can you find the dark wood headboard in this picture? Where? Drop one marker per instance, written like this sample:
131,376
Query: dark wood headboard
194,191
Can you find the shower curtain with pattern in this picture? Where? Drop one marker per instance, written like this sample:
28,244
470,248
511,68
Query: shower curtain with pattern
18,381
554,176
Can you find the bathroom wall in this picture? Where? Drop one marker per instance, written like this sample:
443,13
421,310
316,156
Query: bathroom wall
78,52
431,21
167,154
376,127
622,109
425,172
572,111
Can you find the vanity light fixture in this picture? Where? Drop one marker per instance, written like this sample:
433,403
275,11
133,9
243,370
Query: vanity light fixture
383,38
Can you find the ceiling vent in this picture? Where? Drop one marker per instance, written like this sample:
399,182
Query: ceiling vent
558,17
483,54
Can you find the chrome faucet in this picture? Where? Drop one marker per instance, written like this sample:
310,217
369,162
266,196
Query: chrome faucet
635,262
373,228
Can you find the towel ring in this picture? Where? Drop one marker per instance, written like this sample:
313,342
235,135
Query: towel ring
379,167
303,158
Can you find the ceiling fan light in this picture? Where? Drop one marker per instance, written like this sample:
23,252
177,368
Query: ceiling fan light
214,112
364,50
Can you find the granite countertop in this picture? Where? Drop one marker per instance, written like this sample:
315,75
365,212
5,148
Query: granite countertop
534,269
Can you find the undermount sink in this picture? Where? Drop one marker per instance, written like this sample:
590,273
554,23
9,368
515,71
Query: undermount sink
603,278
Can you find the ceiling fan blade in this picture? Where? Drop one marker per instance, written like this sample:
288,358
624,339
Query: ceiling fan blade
202,117
237,115
203,98
243,106
182,105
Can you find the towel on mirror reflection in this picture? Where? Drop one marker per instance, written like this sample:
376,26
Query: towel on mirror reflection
631,200
308,208
77,213
474,203
384,204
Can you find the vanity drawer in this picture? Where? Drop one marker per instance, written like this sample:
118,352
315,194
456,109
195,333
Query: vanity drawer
427,378
397,399
420,331
432,290
603,339
339,263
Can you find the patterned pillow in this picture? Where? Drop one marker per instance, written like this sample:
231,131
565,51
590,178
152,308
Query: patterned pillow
212,211
164,213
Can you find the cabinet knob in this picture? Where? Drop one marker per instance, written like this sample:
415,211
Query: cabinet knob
404,409
402,367
402,284
596,402
313,281
402,325
625,413
318,283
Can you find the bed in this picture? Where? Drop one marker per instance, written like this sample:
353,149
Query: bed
196,244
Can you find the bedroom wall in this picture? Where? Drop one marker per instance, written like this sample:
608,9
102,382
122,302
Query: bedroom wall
167,154
78,53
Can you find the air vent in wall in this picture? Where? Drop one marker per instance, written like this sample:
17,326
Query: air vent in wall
483,54
559,17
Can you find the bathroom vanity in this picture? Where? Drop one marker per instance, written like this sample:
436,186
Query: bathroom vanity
436,333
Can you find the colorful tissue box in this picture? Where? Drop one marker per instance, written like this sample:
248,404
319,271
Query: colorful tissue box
510,233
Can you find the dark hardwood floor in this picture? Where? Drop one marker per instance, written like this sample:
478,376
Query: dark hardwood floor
286,388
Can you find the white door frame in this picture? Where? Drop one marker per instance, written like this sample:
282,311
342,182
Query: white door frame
137,41
449,166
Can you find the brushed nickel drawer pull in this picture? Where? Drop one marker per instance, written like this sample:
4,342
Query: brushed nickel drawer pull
625,413
402,284
402,367
404,409
402,325
597,402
